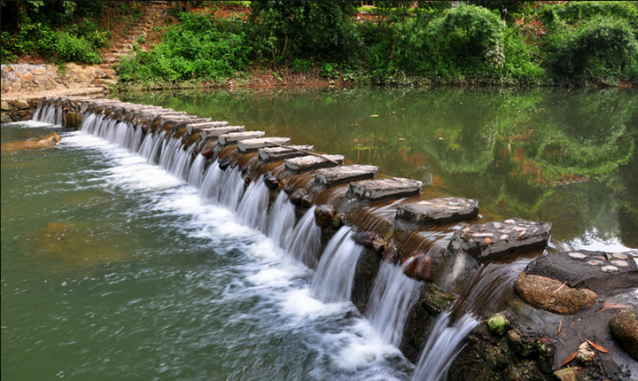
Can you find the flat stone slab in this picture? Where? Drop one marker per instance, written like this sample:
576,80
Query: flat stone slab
190,128
213,133
255,144
497,239
386,188
308,163
438,210
345,174
280,153
235,137
595,270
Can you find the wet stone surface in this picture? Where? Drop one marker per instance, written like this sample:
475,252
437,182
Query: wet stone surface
255,144
235,137
497,239
344,174
307,163
280,153
438,210
191,128
385,188
214,133
598,271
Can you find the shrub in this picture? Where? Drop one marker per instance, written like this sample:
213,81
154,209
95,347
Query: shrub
71,48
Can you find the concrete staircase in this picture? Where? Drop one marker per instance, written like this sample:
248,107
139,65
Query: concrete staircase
153,12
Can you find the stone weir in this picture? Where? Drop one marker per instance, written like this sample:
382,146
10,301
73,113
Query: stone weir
404,255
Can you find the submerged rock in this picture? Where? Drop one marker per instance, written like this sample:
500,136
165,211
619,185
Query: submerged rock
46,141
552,295
624,327
324,215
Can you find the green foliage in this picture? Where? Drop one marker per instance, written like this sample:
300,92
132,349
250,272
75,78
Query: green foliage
75,49
301,66
199,47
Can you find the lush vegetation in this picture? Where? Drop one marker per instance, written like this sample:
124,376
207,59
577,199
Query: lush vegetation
523,42
58,31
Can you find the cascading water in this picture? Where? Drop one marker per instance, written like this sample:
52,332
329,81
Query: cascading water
36,114
305,242
135,143
281,220
180,166
58,116
443,344
232,188
197,171
49,114
158,141
253,209
211,183
393,295
146,146
88,124
333,280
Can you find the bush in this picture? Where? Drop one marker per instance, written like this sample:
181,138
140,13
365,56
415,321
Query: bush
75,49
604,47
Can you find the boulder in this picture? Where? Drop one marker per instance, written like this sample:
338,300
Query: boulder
21,104
5,118
552,295
47,141
324,214
419,267
4,106
624,327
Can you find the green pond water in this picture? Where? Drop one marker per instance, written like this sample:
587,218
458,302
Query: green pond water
113,269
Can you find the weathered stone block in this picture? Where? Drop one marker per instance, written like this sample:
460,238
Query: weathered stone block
200,126
4,106
344,174
235,137
255,144
438,210
496,239
386,188
280,153
307,163
213,133
597,271
624,327
21,104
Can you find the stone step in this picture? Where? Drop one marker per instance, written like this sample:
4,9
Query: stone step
372,190
345,174
497,239
235,137
307,163
199,126
214,133
280,153
438,210
255,144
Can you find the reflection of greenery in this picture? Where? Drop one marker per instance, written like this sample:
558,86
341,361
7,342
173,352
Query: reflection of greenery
504,148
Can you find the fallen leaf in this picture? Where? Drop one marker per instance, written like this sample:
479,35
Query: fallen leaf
598,347
570,358
374,116
614,306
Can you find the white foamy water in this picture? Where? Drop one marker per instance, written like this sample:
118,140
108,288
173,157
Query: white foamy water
341,343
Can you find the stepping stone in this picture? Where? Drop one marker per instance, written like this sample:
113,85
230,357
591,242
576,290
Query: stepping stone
595,270
385,188
345,174
213,133
497,239
255,144
235,137
194,127
280,153
307,163
184,122
438,210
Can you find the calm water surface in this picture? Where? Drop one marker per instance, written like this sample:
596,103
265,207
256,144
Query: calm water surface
112,269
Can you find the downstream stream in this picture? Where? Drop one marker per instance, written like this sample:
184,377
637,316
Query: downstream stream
114,268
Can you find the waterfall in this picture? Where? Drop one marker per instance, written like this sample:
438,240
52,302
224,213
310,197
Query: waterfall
443,344
123,134
36,114
88,124
253,209
333,280
147,145
134,146
393,295
281,220
49,114
197,170
232,188
58,116
211,183
305,242
181,162
158,141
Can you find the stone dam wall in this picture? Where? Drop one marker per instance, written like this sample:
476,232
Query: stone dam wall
561,315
